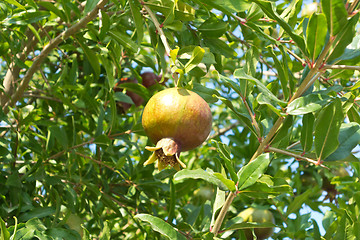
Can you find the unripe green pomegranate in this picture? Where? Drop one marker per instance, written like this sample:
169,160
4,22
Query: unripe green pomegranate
255,215
176,120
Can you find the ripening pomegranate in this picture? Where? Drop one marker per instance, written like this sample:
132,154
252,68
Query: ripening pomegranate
255,215
176,120
148,79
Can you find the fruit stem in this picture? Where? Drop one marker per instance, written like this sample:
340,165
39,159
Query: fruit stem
222,214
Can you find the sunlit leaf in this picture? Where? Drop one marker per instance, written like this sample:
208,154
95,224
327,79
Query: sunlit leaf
327,127
161,226
252,171
349,138
307,129
316,34
199,174
308,104
336,15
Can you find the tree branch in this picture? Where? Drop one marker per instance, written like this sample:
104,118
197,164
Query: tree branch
222,214
16,96
328,66
296,156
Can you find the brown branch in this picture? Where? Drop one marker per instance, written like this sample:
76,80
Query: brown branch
44,53
56,155
296,156
13,71
33,95
327,66
224,130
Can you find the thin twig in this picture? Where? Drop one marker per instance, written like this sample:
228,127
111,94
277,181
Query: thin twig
296,56
220,218
32,95
71,148
224,130
328,66
296,156
162,37
159,29
96,161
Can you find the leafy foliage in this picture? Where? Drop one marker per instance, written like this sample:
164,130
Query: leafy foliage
283,89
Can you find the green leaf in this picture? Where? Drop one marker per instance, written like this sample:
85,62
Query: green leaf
349,138
136,88
213,27
62,233
122,97
282,136
316,35
227,182
124,40
225,152
245,119
109,72
14,2
249,225
196,57
327,128
182,11
106,232
159,225
29,17
344,38
89,6
269,9
5,235
252,171
255,13
218,203
349,57
240,74
341,229
50,6
37,213
281,72
308,104
307,129
138,20
220,47
268,187
105,26
298,201
336,15
200,174
353,115
263,100
91,56
252,59
205,92
60,135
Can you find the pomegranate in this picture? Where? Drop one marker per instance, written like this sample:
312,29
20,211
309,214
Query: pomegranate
148,79
177,120
255,215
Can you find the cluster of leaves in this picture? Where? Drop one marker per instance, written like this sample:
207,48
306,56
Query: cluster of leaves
283,89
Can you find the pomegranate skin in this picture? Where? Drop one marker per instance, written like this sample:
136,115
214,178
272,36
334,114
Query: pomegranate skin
178,114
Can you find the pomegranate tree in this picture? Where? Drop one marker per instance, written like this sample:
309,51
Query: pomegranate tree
176,120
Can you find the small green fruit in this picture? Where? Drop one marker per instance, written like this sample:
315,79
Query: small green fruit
255,215
74,222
